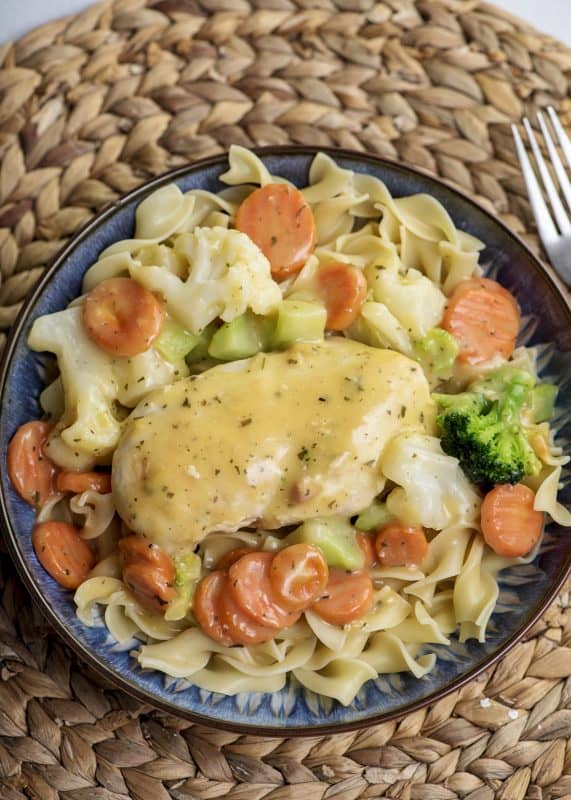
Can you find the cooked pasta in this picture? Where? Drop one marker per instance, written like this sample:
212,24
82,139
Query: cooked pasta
308,392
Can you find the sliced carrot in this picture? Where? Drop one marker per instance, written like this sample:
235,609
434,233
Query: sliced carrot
150,586
62,552
206,606
484,319
138,550
488,284
122,317
400,545
225,561
277,218
241,627
344,290
367,544
253,592
347,597
148,572
31,472
298,575
510,524
79,482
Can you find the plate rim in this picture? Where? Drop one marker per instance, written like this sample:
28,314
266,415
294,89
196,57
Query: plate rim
83,651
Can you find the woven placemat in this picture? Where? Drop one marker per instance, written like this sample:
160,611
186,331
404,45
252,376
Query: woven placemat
91,106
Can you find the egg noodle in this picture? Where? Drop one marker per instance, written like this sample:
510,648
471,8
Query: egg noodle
185,249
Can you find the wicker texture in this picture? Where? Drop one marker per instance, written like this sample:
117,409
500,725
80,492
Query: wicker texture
91,106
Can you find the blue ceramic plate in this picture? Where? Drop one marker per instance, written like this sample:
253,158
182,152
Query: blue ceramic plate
525,590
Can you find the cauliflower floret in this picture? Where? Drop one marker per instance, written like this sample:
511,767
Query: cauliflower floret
377,327
92,381
88,380
413,299
228,274
432,489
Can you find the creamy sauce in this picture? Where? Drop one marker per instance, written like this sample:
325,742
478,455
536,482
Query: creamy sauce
274,440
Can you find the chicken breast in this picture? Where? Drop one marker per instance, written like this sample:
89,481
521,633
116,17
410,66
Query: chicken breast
274,439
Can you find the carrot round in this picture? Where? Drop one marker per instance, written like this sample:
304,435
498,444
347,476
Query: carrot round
240,627
62,552
150,586
367,544
122,317
298,575
79,482
31,472
136,549
484,319
278,219
347,597
225,561
148,572
510,524
399,545
206,606
252,591
344,290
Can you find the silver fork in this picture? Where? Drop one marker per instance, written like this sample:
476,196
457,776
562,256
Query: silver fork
554,229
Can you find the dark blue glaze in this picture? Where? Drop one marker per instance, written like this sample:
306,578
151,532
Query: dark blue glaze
525,590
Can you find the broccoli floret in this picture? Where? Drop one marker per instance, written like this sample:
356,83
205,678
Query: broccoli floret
496,383
436,352
486,435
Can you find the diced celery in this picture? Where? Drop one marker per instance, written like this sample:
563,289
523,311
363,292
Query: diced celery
200,351
543,399
187,574
173,342
187,568
179,607
299,321
236,339
336,539
373,517
437,352
265,327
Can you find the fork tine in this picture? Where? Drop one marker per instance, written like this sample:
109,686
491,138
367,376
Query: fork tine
541,213
556,204
561,135
555,160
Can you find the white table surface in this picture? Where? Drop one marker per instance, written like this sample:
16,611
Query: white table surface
19,16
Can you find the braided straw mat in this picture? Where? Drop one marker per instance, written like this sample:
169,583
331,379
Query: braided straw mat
91,106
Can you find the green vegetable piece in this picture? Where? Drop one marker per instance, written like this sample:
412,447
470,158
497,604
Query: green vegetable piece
373,517
173,342
299,321
187,574
234,340
200,351
187,568
496,383
335,537
543,402
265,327
437,352
487,436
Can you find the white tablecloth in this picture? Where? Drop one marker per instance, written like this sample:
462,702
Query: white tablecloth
19,16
